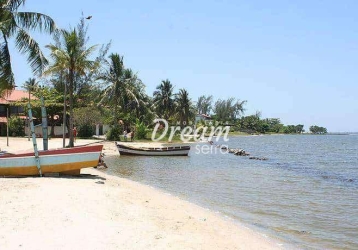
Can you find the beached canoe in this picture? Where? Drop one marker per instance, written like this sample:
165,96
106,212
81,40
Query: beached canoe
66,161
153,151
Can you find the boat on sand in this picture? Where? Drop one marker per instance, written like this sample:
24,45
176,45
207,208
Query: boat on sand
64,160
153,151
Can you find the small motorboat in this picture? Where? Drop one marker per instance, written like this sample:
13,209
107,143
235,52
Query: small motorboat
153,151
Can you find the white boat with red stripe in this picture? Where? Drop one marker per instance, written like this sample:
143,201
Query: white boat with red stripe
66,161
153,151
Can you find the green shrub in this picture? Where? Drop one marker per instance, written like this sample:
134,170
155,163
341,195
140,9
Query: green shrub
86,130
141,130
16,126
114,133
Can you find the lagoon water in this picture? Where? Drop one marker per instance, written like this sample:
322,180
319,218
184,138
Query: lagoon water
306,193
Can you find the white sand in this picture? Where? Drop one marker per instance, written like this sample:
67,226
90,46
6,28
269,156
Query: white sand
98,211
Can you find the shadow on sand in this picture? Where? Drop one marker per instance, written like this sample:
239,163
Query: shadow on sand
81,176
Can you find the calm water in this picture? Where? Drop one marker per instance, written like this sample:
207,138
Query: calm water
305,194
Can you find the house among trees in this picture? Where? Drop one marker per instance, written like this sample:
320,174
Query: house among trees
7,104
202,118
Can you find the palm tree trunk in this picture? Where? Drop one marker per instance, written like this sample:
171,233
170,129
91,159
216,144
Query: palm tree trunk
52,126
187,116
115,116
116,104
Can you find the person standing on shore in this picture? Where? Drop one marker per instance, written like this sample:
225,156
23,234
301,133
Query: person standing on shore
74,133
132,135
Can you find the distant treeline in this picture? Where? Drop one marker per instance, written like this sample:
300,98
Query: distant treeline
231,111
318,130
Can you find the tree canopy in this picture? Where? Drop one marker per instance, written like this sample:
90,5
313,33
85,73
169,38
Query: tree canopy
318,130
18,25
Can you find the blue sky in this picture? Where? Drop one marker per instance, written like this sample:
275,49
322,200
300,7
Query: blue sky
296,61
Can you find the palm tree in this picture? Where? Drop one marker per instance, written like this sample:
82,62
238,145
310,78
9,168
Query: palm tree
184,107
30,84
16,24
134,96
127,97
203,104
113,76
125,91
70,57
163,99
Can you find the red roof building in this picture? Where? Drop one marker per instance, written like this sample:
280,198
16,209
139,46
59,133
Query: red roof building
6,106
14,96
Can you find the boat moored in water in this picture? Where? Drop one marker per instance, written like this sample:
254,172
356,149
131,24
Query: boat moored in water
153,151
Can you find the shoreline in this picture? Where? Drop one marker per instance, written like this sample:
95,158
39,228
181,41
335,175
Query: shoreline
112,212
273,243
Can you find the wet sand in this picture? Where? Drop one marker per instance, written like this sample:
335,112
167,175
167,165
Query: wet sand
98,211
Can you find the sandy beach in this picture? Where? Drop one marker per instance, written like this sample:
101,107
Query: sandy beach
99,211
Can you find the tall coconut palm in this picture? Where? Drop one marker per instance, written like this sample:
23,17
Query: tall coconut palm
30,85
128,98
113,75
17,25
71,57
163,99
137,100
124,91
184,107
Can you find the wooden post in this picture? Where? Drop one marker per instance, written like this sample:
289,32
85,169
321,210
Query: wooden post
7,126
28,120
64,118
34,140
44,124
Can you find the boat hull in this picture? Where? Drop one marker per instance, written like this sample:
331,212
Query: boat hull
67,161
165,151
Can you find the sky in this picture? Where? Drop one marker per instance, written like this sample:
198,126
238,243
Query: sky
294,60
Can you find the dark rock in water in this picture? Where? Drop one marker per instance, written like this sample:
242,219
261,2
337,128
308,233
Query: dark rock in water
239,152
303,232
236,151
258,158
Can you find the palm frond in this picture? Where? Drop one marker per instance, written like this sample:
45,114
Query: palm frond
11,5
29,46
8,25
7,81
54,69
35,21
